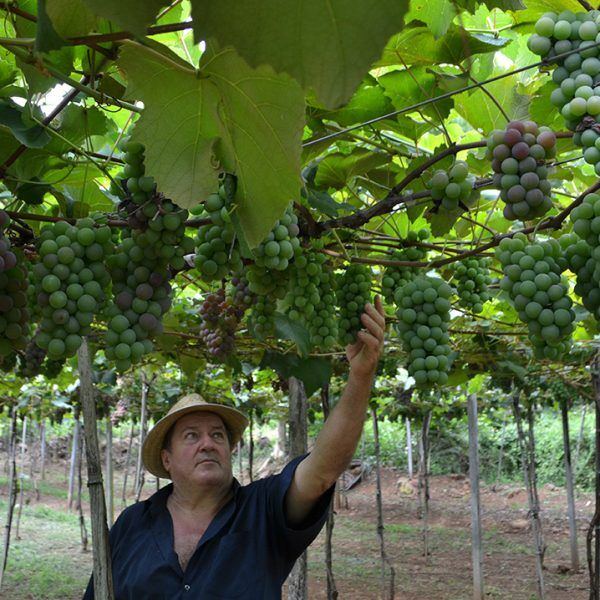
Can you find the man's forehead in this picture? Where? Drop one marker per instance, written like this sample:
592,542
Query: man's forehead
200,418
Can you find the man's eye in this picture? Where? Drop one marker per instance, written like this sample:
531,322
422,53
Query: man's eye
219,435
190,435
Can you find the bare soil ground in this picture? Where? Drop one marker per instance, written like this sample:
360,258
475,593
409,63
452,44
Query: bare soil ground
445,574
509,560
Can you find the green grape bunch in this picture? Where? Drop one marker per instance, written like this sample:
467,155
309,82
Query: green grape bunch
578,257
14,313
71,279
310,298
423,316
217,250
472,276
576,75
451,189
269,286
519,154
281,244
394,277
538,292
353,292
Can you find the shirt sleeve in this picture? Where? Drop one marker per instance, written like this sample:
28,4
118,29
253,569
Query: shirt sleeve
294,540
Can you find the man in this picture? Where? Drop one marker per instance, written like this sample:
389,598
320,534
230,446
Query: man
205,536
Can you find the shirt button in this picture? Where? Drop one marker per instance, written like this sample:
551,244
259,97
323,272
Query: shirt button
186,587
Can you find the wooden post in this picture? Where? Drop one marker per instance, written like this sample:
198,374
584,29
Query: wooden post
12,488
529,477
251,445
21,477
126,468
43,449
332,593
424,481
297,582
73,467
593,532
110,480
564,410
379,503
476,549
409,448
579,441
103,584
139,470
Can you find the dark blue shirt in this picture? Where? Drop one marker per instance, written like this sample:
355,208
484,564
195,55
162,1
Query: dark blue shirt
246,552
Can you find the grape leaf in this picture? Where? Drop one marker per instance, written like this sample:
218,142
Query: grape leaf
327,46
313,372
436,15
337,169
128,14
287,329
70,18
30,136
417,46
228,117
46,38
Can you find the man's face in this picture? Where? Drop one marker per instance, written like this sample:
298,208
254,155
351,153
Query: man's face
199,452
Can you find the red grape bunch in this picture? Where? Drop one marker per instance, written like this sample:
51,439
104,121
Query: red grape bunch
518,156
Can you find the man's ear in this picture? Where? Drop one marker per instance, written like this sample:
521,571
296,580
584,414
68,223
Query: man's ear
165,456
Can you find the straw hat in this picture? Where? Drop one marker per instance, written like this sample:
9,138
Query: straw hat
235,422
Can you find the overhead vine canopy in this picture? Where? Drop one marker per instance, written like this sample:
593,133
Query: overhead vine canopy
231,182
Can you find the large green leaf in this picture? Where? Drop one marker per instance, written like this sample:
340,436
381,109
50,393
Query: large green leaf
228,117
482,112
418,46
415,85
70,18
327,46
313,372
368,102
337,169
32,136
535,9
436,15
130,15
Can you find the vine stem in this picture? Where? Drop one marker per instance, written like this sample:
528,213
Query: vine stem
88,91
416,106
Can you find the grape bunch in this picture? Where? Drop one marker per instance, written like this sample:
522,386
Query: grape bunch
241,295
472,280
518,156
217,252
323,323
160,222
451,189
278,248
423,316
589,140
142,295
310,299
139,190
70,282
394,277
120,412
219,321
578,74
353,292
532,278
31,360
269,287
579,259
14,314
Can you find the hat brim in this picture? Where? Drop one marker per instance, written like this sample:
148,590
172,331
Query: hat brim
235,421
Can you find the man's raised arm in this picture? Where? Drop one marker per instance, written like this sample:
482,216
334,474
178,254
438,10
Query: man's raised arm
337,441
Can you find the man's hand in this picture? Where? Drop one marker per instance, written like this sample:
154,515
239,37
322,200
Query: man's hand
364,354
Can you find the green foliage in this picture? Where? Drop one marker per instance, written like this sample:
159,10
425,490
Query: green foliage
328,48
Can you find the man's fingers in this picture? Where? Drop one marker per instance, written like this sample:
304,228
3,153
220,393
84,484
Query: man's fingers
370,341
376,312
374,327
